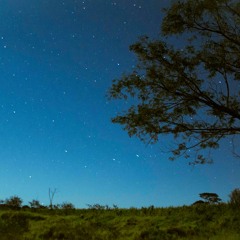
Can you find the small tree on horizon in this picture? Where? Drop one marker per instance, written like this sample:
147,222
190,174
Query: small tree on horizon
211,198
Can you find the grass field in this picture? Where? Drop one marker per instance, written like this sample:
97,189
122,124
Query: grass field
199,222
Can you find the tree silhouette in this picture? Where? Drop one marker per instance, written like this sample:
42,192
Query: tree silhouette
210,197
190,92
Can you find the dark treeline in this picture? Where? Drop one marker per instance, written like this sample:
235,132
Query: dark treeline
15,203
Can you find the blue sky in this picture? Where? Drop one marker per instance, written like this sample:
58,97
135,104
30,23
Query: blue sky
57,61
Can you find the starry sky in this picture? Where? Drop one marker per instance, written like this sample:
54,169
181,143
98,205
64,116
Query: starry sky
57,61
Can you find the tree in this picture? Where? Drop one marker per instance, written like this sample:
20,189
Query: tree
235,197
190,92
35,204
210,197
14,202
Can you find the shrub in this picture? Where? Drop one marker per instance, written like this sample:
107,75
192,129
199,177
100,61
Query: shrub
67,206
35,204
235,197
14,202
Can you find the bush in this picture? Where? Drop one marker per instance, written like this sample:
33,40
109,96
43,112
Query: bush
235,197
35,204
14,202
67,206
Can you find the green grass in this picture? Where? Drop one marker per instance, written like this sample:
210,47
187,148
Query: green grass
212,222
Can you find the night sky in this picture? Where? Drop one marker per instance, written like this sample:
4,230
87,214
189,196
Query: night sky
57,61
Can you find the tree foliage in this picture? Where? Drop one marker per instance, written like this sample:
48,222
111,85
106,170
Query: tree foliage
210,197
193,91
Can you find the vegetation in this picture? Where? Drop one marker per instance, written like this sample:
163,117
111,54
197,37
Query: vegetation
235,198
197,222
210,197
189,91
35,204
14,202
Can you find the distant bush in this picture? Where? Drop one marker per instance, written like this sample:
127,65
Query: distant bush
35,204
97,206
67,206
14,202
235,197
